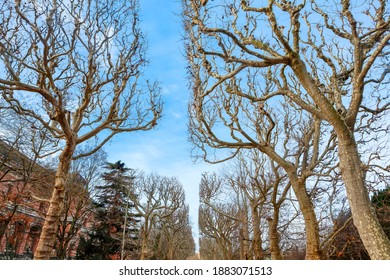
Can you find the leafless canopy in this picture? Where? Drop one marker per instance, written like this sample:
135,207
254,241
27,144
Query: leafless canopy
75,67
319,56
328,60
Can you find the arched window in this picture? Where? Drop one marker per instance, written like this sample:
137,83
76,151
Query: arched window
18,235
33,237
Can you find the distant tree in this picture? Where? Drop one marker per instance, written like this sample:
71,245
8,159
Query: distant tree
172,237
223,228
157,200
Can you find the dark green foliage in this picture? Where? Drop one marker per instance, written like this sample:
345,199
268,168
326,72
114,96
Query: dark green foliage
98,245
106,238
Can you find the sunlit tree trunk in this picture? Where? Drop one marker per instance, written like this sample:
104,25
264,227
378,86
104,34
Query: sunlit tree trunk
49,230
364,216
274,237
313,251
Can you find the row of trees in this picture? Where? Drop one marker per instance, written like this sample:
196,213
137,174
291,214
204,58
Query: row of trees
304,83
249,211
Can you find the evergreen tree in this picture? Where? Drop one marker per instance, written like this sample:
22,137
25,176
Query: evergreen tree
116,226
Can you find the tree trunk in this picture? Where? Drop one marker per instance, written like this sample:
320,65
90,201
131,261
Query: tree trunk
274,237
50,226
313,251
244,238
145,240
257,241
171,252
49,230
364,217
352,171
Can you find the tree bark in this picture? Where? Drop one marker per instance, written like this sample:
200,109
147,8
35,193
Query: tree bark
364,217
274,237
49,230
257,241
313,251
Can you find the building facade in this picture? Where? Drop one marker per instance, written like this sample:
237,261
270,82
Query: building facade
25,190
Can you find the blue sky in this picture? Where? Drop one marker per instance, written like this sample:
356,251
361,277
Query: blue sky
164,150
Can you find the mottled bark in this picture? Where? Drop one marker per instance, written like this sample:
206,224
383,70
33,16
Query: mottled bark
313,251
274,238
364,217
50,226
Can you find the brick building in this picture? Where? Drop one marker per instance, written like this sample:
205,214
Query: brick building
25,188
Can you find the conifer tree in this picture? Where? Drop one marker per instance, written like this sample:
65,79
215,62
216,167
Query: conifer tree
116,226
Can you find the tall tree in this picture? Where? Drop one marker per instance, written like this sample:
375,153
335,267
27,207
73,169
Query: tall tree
329,60
75,67
115,226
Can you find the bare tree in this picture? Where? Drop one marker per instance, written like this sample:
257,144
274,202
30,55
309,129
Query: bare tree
75,67
249,184
222,228
265,185
173,237
23,181
327,59
156,199
293,142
